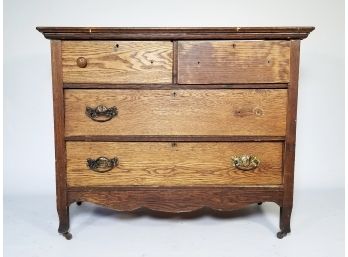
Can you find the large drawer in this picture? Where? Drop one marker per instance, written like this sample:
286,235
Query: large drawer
219,62
123,62
241,112
173,164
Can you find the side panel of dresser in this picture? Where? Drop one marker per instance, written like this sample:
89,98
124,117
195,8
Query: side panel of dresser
60,150
290,141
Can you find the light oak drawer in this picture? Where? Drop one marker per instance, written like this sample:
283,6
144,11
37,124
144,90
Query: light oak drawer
219,62
118,62
168,164
248,112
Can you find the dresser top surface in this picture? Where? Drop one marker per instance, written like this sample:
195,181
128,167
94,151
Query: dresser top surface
99,33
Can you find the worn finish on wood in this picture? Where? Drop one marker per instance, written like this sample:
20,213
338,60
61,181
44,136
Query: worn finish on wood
227,62
179,112
172,199
290,141
120,62
93,33
173,164
60,154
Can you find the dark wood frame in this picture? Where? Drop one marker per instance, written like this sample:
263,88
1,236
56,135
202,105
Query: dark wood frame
174,199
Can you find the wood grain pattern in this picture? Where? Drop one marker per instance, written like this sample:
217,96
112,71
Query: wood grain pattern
174,199
121,62
179,112
165,164
162,33
221,62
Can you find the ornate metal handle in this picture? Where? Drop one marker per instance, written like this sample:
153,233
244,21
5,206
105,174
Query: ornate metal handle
102,164
245,162
101,113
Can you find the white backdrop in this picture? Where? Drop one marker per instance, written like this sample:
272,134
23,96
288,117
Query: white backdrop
28,118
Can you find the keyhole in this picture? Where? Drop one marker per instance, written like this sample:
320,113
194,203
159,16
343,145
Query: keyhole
174,94
174,144
115,47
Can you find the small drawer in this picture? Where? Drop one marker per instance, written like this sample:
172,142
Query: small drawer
117,62
173,164
229,62
240,112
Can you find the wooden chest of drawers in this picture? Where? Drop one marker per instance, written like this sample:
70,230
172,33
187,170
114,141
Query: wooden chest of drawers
175,119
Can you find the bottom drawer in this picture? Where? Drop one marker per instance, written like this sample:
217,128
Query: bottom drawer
173,164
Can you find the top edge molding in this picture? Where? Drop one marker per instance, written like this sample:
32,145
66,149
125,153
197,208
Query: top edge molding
171,33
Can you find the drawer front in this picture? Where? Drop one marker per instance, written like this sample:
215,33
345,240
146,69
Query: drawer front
219,62
123,62
248,112
169,164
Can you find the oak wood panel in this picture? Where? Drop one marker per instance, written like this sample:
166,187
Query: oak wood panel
167,164
174,199
248,112
223,62
120,62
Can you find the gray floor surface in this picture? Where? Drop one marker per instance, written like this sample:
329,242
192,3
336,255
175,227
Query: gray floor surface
30,230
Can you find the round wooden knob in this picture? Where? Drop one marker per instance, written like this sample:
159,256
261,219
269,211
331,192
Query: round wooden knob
81,62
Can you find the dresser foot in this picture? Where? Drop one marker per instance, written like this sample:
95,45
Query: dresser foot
64,231
79,203
67,235
281,234
284,222
64,223
259,203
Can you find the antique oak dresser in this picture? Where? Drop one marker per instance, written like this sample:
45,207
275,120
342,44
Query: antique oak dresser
175,119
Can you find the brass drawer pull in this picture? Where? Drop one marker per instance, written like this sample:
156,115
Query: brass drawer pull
245,162
101,113
102,164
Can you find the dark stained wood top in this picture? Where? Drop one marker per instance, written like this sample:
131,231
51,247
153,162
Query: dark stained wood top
160,33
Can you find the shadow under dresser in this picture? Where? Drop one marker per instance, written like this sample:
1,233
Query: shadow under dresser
175,119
